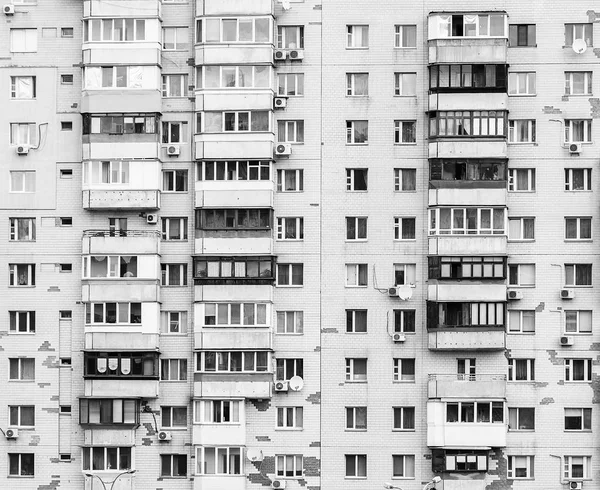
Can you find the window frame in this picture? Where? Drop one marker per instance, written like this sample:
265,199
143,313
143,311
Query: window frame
178,31
353,180
399,414
399,35
360,273
351,84
30,38
114,408
297,325
167,371
290,131
353,136
569,130
405,128
165,269
399,228
22,466
408,466
512,370
175,461
15,416
222,359
524,222
173,322
529,31
356,466
568,466
170,86
578,221
518,416
281,465
295,35
512,468
577,322
19,278
167,132
399,84
514,82
291,266
352,365
573,273
573,27
513,179
493,229
354,228
357,321
220,412
13,87
584,422
402,367
290,418
586,174
168,417
233,460
283,90
519,327
570,84
171,179
298,179
16,322
354,40
586,364
515,131
399,179
14,232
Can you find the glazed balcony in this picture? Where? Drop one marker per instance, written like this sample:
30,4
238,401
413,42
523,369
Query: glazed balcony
234,7
467,245
205,431
466,386
467,173
479,147
487,101
472,290
121,8
236,270
128,242
233,385
473,195
234,194
469,338
217,338
234,146
234,54
468,50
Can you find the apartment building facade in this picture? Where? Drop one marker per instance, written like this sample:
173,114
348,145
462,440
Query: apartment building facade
258,244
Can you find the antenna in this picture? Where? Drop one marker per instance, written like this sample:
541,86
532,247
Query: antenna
405,292
579,46
296,383
254,454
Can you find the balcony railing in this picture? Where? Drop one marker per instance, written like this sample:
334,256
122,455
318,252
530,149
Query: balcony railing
121,233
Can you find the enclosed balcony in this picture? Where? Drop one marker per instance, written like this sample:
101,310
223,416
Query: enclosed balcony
479,80
121,241
234,146
219,422
475,290
469,196
247,270
465,173
233,7
100,8
242,53
467,386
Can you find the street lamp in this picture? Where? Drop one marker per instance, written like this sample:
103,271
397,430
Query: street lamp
432,482
128,472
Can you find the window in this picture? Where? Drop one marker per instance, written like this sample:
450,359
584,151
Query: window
520,467
236,361
578,321
21,274
404,228
404,370
521,35
521,228
357,132
521,83
405,274
578,179
21,416
578,419
174,132
578,370
119,77
404,321
578,274
357,84
233,170
465,77
23,40
356,465
106,172
93,411
405,84
173,322
405,36
21,464
356,228
286,369
219,460
356,179
290,322
578,83
290,274
22,229
173,417
65,409
456,267
174,228
356,418
405,179
290,37
173,369
22,321
290,131
66,126
470,221
290,84
120,124
66,79
521,369
114,30
66,32
290,417
217,411
475,412
241,269
228,76
22,87
22,133
175,181
521,131
356,369
248,30
404,418
66,173
521,180
290,228
21,369
577,467
356,275
174,85
236,121
579,31
403,466
578,228
121,364
521,418
464,314
173,465
467,124
175,38
290,180
578,130
174,274
356,321
116,313
99,458
405,132
288,465
358,36
521,321
101,266
233,219
235,314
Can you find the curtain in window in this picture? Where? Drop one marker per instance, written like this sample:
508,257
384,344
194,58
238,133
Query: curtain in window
136,77
209,461
583,275
521,369
361,84
97,458
24,87
578,368
444,25
93,77
470,22
126,366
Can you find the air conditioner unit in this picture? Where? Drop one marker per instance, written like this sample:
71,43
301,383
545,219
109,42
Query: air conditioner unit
9,9
566,340
280,54
296,54
282,386
278,484
280,102
173,150
283,150
164,435
514,294
12,433
575,485
574,147
22,150
393,292
399,337
567,293
152,219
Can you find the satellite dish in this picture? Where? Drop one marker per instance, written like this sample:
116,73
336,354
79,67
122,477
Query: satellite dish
296,383
405,292
254,454
579,46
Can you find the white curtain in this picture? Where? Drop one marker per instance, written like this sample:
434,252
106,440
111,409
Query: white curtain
93,77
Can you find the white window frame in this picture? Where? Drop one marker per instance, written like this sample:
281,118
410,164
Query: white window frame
571,270
15,92
494,228
298,178
350,132
30,229
220,356
522,83
281,465
579,413
578,220
517,320
298,227
522,221
30,40
512,370
353,275
514,131
290,131
165,276
113,172
399,132
290,37
218,412
352,415
570,181
351,179
400,83
401,327
19,457
170,180
570,85
231,453
400,364
285,82
290,418
354,319
167,232
517,412
351,368
351,85
178,31
183,131
21,318
170,374
290,322
587,370
358,222
22,278
22,181
408,466
578,322
173,322
399,34
409,271
21,361
290,267
359,462
233,170
401,417
173,460
19,415
513,179
120,308
15,134
582,27
174,81
399,181
357,36
113,266
168,411
138,33
587,130
520,462
399,228
586,463
249,314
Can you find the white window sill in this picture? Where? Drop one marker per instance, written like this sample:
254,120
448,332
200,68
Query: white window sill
414,143
406,96
405,239
289,429
357,144
522,95
357,381
360,48
356,287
